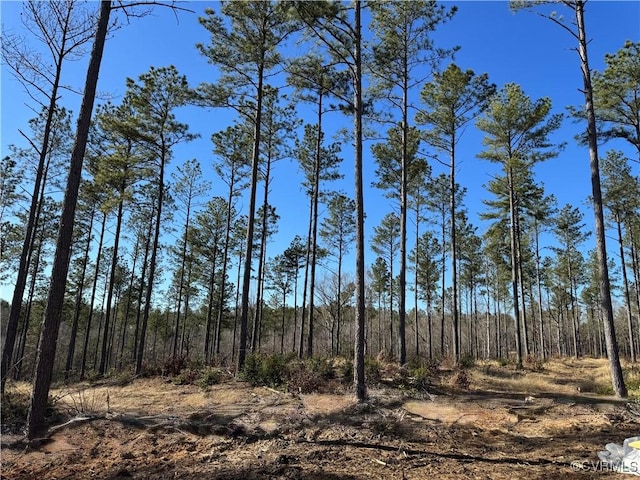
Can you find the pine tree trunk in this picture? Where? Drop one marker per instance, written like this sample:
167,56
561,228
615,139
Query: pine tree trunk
141,291
455,316
96,274
246,278
627,295
514,267
306,280
152,263
225,262
539,290
359,376
605,290
112,277
32,225
53,313
183,257
127,308
78,306
216,340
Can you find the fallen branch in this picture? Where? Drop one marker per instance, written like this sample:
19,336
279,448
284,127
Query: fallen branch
454,456
78,419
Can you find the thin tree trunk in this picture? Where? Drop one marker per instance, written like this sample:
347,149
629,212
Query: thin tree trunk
141,291
127,308
257,324
246,279
152,262
404,166
415,281
237,302
444,261
32,222
19,360
306,280
216,340
454,272
627,296
340,255
314,230
525,329
76,313
96,274
539,290
181,284
112,278
225,261
514,267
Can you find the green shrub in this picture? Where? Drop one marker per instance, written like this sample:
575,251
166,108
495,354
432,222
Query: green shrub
421,378
467,361
252,369
345,371
372,370
187,376
209,376
321,367
269,370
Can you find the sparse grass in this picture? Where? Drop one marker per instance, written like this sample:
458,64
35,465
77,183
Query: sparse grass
15,406
81,401
563,376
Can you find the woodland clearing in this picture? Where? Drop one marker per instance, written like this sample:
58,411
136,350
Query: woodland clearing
490,422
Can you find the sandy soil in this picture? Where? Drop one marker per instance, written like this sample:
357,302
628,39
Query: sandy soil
154,429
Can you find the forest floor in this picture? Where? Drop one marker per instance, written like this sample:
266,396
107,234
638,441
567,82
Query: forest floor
504,424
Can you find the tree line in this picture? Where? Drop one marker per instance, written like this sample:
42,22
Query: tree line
146,266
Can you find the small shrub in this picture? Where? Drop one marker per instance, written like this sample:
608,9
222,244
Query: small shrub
467,361
503,362
345,371
270,370
301,378
632,379
187,376
273,370
252,369
421,378
460,380
321,367
604,389
535,364
372,370
15,407
81,402
174,365
209,376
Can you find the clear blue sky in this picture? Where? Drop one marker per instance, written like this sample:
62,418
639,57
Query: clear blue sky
521,48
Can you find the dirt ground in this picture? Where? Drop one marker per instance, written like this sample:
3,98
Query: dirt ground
508,424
